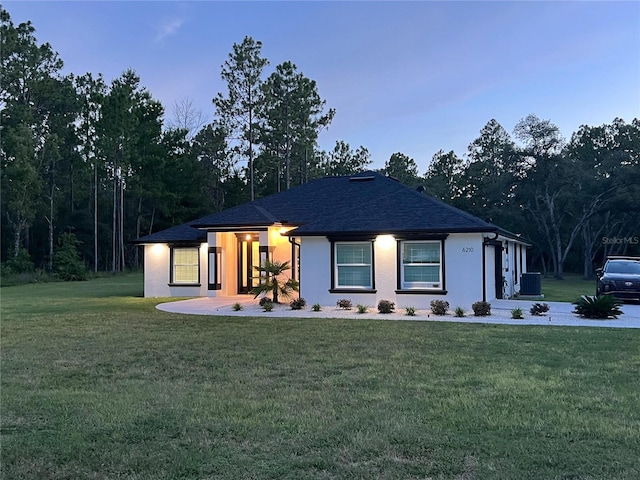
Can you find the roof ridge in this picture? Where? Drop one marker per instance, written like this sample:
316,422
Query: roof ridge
266,213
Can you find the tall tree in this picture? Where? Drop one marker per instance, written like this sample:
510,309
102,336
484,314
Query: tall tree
59,150
209,148
238,109
491,176
28,75
293,114
443,177
21,182
553,195
91,92
608,157
403,168
129,131
187,117
342,160
144,182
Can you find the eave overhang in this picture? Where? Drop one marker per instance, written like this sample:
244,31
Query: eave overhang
399,233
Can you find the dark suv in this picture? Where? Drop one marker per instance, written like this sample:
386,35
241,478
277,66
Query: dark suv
620,277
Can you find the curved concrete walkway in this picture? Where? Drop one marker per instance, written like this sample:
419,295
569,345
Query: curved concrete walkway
560,313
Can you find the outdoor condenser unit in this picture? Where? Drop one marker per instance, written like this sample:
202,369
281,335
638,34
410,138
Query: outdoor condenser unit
531,284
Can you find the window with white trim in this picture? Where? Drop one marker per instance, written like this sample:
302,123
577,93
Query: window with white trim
185,265
421,264
353,265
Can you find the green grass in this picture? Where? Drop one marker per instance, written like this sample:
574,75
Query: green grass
568,290
98,384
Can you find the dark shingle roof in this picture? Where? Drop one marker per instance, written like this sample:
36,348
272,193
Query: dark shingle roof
180,233
365,203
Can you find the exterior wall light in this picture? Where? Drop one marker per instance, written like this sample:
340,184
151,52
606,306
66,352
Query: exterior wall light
385,241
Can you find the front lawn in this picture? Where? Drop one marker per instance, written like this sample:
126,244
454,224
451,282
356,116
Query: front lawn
568,290
98,384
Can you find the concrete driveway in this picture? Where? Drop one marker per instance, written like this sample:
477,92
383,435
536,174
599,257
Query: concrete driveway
560,313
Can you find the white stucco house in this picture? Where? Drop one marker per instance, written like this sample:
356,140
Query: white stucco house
364,237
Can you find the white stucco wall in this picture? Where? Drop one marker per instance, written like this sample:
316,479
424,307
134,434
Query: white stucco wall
463,274
462,270
385,251
157,265
156,270
315,270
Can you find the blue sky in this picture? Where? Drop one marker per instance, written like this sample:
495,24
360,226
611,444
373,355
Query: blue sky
411,77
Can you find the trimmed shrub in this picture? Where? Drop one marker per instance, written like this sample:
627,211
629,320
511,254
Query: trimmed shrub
316,307
298,303
264,300
481,309
344,304
602,307
362,308
268,306
411,311
439,307
538,309
516,314
386,306
236,307
459,312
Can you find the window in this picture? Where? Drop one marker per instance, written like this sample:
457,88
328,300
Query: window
185,266
421,265
215,268
353,265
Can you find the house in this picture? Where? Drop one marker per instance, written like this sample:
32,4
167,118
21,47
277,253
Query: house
364,237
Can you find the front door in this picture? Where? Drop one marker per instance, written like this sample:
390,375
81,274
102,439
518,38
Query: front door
248,259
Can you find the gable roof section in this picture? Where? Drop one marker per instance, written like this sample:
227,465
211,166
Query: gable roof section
366,203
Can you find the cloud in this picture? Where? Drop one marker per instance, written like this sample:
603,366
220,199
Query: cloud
168,28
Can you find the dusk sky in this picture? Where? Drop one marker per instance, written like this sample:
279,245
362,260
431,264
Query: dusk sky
410,77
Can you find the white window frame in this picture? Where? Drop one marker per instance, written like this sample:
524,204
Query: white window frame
190,281
408,285
336,266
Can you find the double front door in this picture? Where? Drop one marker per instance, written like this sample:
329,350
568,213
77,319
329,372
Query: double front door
248,261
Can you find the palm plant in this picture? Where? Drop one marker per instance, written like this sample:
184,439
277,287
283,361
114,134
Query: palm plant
604,306
270,281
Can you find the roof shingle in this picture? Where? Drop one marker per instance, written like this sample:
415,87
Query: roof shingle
365,203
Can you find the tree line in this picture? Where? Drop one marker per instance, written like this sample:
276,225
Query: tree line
575,201
97,164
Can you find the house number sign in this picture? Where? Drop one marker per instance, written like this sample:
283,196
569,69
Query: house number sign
467,249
